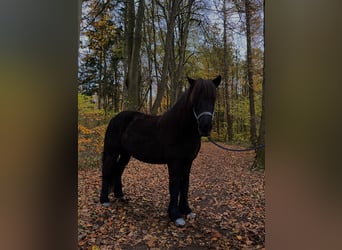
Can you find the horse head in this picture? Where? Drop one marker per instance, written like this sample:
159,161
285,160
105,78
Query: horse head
202,98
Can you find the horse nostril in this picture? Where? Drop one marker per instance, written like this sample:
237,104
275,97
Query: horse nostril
205,127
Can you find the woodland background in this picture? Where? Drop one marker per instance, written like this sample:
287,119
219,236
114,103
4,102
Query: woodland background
136,54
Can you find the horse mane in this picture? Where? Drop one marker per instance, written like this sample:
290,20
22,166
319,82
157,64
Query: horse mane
200,89
180,106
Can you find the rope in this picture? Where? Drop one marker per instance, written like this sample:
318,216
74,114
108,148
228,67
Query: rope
235,150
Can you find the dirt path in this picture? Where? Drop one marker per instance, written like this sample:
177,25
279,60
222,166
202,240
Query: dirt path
227,197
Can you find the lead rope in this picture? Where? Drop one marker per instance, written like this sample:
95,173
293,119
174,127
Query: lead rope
236,150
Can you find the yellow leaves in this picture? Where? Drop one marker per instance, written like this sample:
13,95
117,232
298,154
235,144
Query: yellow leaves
94,247
84,140
91,130
83,130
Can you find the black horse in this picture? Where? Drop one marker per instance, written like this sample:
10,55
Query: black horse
173,138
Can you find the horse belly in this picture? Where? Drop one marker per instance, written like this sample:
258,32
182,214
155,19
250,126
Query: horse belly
147,153
148,159
144,147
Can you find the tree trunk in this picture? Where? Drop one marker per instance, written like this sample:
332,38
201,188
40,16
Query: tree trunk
183,29
259,160
167,52
250,74
172,71
129,22
149,42
105,80
156,65
100,89
225,74
134,62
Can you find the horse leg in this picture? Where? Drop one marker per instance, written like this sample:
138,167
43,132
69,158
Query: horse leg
108,162
117,174
184,190
174,189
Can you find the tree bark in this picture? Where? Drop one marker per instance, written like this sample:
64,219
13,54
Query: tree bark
100,89
149,43
173,10
253,135
259,160
129,33
225,74
183,30
134,62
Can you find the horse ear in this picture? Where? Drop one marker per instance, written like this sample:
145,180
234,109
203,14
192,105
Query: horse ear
217,81
191,81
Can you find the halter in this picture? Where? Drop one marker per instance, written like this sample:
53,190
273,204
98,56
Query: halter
202,114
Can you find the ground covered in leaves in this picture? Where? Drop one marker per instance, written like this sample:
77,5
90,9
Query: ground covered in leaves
227,197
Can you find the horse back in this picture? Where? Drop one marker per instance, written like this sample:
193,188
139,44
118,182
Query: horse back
142,136
116,128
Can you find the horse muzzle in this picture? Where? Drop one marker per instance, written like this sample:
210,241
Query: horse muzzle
204,122
205,126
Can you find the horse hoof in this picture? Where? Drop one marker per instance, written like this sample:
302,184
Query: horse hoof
106,204
180,222
123,199
192,215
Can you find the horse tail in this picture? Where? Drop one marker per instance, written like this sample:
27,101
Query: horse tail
110,155
114,157
112,139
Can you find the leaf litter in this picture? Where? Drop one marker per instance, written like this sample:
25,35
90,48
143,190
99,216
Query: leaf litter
227,197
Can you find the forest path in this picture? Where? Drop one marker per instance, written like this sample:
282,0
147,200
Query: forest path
227,197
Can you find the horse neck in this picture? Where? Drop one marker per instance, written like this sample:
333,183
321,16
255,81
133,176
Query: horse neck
182,116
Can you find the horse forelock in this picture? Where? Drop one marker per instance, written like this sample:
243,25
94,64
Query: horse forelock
203,89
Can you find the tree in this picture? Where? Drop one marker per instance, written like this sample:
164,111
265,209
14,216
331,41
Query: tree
137,54
225,74
101,38
133,40
248,12
172,10
259,160
178,56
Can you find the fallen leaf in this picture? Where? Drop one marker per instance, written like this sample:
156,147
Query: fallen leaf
229,201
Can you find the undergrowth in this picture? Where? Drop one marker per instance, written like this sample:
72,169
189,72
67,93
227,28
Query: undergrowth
92,124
